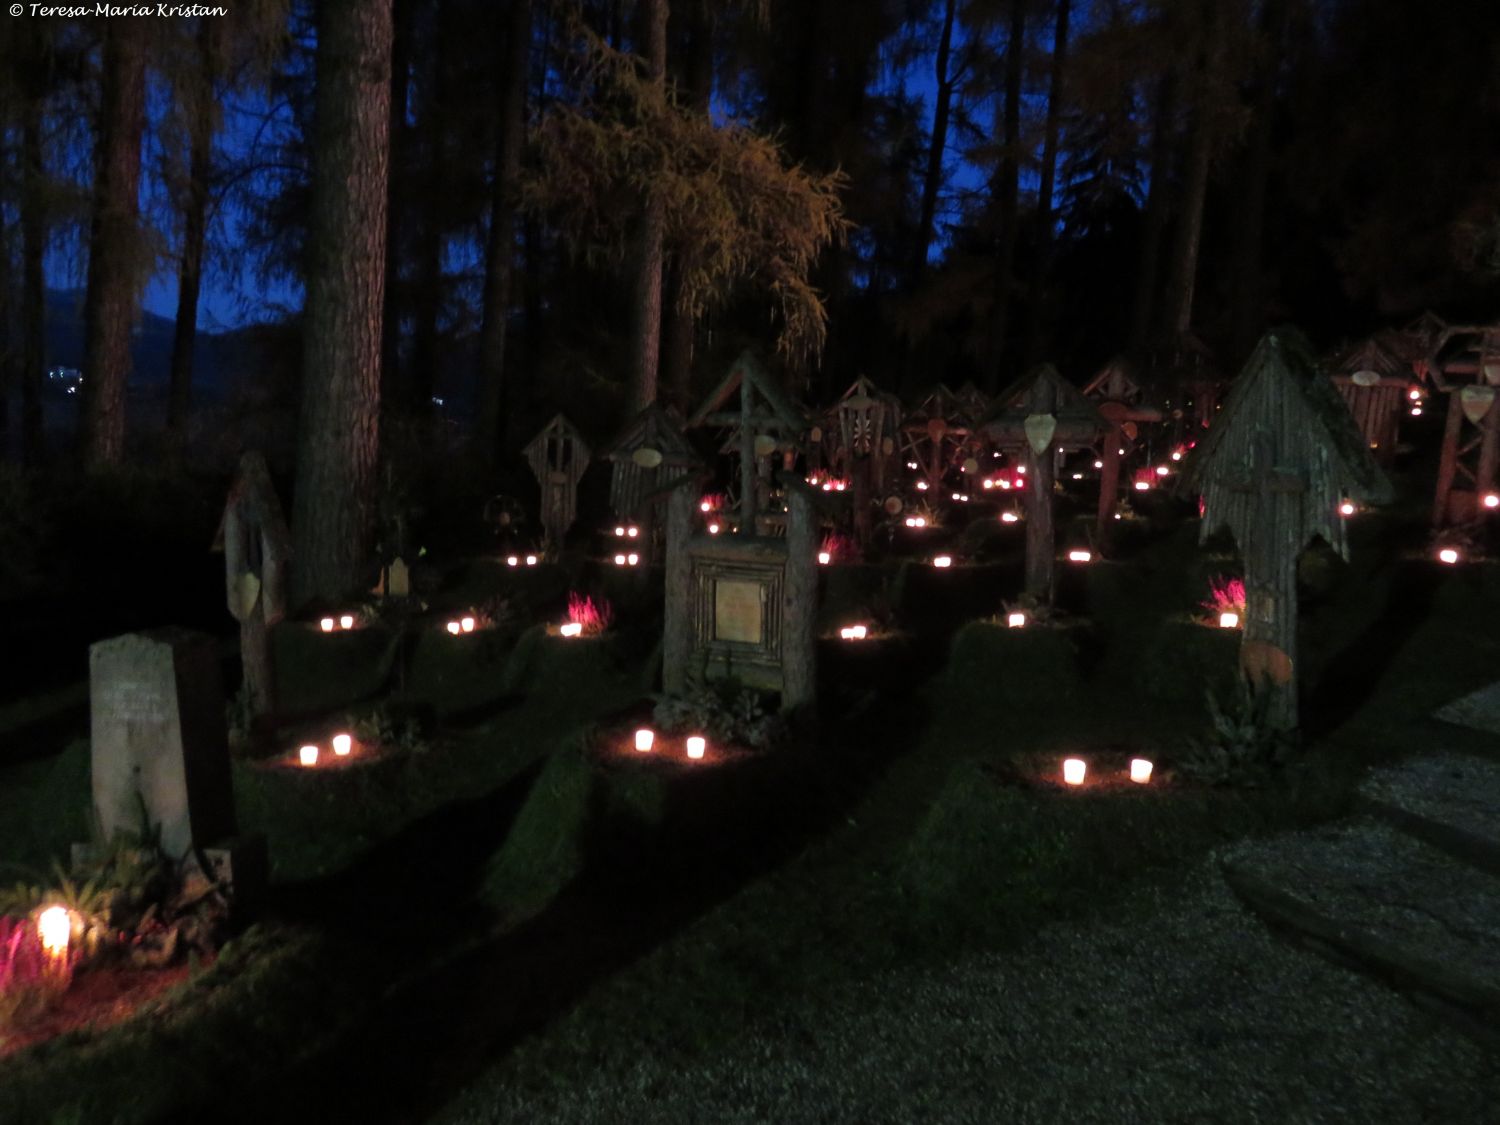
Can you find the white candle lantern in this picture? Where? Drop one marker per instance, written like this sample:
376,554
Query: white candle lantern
512,560
1140,770
1142,485
346,621
853,632
455,628
644,739
1346,508
308,755
1009,517
1080,556
1491,500
466,624
572,629
632,559
696,745
1448,555
326,624
55,927
1229,620
1074,771
1016,620
342,744
531,560
943,561
824,558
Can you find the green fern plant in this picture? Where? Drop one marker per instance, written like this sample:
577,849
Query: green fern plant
1244,745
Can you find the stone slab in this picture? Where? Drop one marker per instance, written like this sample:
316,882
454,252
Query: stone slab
159,738
1479,710
1396,905
1449,799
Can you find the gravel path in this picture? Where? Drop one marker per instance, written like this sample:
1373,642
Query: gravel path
1184,1009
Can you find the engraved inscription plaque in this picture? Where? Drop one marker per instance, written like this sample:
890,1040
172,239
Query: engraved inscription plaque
738,612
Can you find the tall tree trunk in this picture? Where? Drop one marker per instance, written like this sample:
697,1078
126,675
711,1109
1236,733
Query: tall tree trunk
1039,333
679,324
646,253
1201,140
1010,188
428,291
500,249
932,179
1249,292
1148,267
10,346
110,300
402,17
194,228
33,281
338,434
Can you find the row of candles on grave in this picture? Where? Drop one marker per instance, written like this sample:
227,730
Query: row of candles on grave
695,745
1075,770
343,746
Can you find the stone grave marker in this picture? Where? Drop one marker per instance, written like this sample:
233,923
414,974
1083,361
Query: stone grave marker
159,739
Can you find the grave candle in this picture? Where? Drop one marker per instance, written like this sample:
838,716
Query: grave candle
632,559
713,529
455,628
55,927
1140,770
531,560
1016,620
512,560
824,558
1448,555
1080,556
644,738
1491,500
632,532
620,532
1074,771
466,624
346,621
308,755
619,560
1162,470
1142,485
696,745
1009,517
572,629
326,624
342,744
1346,508
943,561
1229,620
853,633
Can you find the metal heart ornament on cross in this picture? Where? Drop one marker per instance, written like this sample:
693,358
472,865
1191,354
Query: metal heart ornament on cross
1365,378
1476,402
1039,430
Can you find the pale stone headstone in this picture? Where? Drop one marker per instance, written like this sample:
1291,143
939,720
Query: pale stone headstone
400,580
159,738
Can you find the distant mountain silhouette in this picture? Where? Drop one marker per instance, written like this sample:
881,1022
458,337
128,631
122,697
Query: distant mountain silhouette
216,355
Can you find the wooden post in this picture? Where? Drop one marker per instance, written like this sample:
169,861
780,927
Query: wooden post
800,602
1489,454
1109,481
677,627
1448,462
257,549
748,483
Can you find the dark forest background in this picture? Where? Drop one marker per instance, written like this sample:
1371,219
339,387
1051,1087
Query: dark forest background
594,205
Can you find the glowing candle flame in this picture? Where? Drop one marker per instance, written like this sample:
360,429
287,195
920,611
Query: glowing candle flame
644,739
1346,508
1229,620
1416,412
853,633
1140,770
1005,484
1142,485
55,927
632,532
943,561
619,560
1009,517
1021,469
455,628
1077,476
921,486
713,529
326,624
620,532
1098,464
705,506
1074,771
512,560
342,744
1414,394
632,559
987,483
466,624
531,560
1448,555
1162,470
696,745
1491,500
1016,620
1080,556
1176,455
572,629
308,755
824,558
346,621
